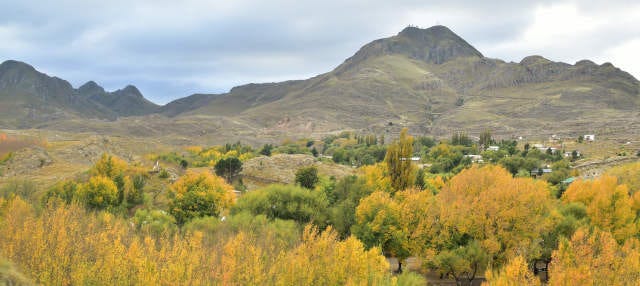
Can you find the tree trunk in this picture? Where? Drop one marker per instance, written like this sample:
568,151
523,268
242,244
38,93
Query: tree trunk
399,270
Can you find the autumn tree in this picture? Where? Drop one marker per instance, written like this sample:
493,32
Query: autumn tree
378,223
323,259
99,192
376,178
199,194
595,258
487,215
627,174
108,166
398,160
609,205
516,272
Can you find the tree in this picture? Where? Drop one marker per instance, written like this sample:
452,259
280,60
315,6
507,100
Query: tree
228,168
485,138
266,149
184,164
628,174
108,166
420,183
485,215
378,223
595,259
198,195
346,196
515,272
609,205
314,152
322,259
398,160
285,202
100,192
307,177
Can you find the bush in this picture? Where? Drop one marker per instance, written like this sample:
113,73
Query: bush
285,202
408,278
156,222
163,174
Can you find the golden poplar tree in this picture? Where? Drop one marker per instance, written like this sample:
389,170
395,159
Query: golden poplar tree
400,170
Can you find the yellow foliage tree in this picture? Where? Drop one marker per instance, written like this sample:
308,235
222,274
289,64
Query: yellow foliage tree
108,166
482,216
595,259
609,205
375,177
400,170
627,174
200,194
66,245
506,215
99,192
515,273
322,259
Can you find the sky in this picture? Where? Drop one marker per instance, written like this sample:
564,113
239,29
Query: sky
170,49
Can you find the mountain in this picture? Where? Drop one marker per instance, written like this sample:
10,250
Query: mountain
29,98
430,80
124,102
186,104
433,81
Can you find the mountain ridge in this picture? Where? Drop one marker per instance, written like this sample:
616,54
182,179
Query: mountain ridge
430,80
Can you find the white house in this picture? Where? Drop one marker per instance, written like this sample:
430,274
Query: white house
589,137
475,158
493,148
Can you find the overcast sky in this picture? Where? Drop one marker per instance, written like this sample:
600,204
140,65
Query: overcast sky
171,49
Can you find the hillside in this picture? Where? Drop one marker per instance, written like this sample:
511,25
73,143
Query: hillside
430,80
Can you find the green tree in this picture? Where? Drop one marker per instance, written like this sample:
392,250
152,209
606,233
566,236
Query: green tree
307,177
228,168
485,138
266,149
347,194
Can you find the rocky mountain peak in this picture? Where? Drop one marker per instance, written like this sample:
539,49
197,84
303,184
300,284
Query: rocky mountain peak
91,88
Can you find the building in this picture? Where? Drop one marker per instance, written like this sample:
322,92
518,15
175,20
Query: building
493,148
589,137
475,158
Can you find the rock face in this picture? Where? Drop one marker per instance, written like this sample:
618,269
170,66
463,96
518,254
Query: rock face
434,45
